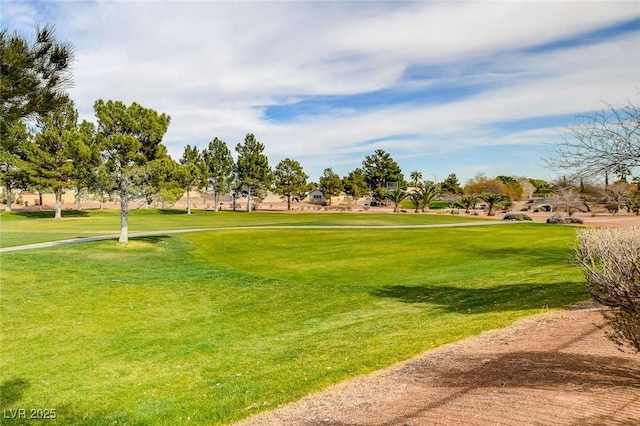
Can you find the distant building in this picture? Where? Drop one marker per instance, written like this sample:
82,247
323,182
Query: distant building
317,197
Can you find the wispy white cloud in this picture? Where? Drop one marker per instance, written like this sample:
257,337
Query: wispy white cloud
216,67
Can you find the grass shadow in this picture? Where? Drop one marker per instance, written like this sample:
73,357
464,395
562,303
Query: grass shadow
50,214
529,256
545,370
153,239
11,391
510,297
171,211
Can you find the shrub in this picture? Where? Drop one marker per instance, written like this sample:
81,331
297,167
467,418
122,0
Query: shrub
610,260
573,220
516,216
555,219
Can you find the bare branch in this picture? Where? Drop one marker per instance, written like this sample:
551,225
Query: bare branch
599,143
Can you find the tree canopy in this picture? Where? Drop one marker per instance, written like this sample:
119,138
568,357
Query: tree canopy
451,185
330,184
59,153
380,170
192,171
252,168
14,166
128,137
355,184
34,74
219,169
290,180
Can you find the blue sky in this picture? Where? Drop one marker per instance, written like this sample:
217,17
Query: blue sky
444,87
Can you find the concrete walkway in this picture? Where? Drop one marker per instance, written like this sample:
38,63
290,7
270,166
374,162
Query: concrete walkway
242,228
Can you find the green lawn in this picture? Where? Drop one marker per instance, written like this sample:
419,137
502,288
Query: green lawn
18,228
212,327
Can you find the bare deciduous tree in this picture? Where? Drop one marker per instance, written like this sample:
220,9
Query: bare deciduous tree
619,194
610,260
606,141
565,199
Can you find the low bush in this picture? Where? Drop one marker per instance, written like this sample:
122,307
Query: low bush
573,220
610,260
516,216
555,219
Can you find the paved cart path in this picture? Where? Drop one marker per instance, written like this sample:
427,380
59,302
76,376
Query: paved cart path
243,228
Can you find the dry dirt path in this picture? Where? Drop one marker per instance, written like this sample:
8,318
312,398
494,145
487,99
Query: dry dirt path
555,368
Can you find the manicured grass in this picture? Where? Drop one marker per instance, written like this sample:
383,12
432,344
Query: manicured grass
33,227
212,327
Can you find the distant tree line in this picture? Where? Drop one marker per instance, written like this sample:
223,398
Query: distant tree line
45,148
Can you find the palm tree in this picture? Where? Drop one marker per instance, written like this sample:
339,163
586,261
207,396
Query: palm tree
428,191
622,171
467,202
396,197
416,198
415,177
492,201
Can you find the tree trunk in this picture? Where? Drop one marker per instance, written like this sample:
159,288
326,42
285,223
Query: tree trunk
249,202
188,201
216,201
78,199
288,202
7,191
124,220
40,200
58,193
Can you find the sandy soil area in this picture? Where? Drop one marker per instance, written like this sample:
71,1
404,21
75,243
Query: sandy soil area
274,203
552,369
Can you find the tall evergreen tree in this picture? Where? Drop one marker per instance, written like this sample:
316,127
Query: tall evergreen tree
290,180
59,153
219,168
451,185
34,76
192,172
330,184
86,160
380,171
162,180
14,167
355,184
252,168
128,138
